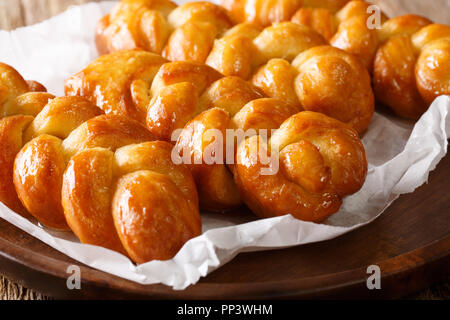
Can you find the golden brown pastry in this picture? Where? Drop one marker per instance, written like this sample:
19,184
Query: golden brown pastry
175,96
111,187
166,99
322,79
320,160
266,12
246,46
181,91
209,148
186,32
240,52
408,69
346,29
114,82
57,119
411,67
18,105
194,96
133,200
295,67
102,176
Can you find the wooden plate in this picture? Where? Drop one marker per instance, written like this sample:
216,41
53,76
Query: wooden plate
410,242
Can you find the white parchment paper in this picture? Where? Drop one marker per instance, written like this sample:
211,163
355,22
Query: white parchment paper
400,154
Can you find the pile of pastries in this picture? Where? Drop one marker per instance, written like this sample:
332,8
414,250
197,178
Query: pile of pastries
100,161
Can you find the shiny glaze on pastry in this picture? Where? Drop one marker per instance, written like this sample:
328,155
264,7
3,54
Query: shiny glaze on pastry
288,61
204,142
246,46
266,12
114,82
19,104
341,22
181,94
322,79
405,55
132,199
102,176
411,67
186,32
321,160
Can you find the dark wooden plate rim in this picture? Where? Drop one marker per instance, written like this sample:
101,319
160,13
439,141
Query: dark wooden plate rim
437,251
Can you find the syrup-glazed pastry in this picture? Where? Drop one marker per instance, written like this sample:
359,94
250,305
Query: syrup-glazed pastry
347,29
247,46
288,61
406,54
205,143
322,79
19,104
132,199
241,51
108,180
411,67
266,12
197,99
113,82
183,94
186,32
315,161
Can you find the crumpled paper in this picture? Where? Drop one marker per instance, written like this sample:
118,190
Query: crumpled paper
400,155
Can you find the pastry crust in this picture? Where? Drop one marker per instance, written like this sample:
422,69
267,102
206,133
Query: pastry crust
320,161
186,32
406,76
267,12
68,165
195,97
18,106
322,79
114,82
410,67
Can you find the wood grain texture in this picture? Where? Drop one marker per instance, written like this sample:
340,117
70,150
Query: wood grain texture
16,13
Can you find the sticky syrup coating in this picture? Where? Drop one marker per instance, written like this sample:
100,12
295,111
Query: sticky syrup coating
321,160
183,32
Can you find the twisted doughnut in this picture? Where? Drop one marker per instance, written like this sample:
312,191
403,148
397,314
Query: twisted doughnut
179,92
186,32
99,171
411,67
266,12
406,54
320,161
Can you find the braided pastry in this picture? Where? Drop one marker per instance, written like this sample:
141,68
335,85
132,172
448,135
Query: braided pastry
346,29
399,53
247,46
178,33
99,170
18,105
407,73
341,88
183,91
114,82
411,67
205,144
321,160
322,79
266,12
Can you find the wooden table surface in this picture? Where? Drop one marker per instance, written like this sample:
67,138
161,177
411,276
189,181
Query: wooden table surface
17,13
